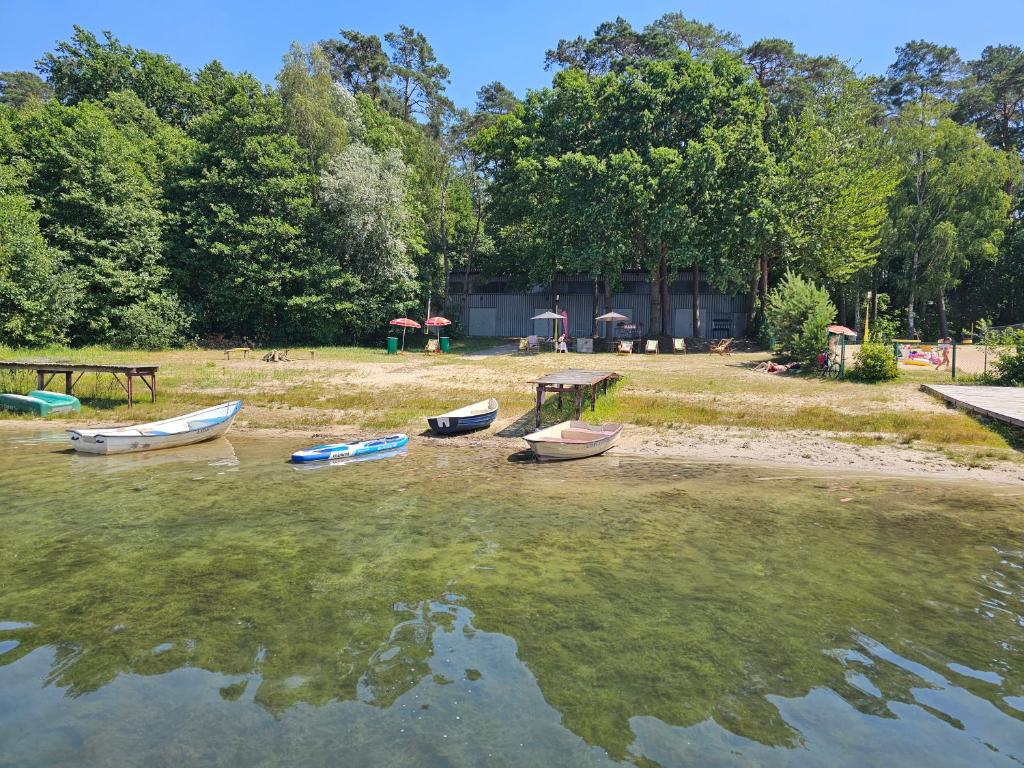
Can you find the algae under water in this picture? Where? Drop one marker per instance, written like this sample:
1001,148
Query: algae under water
213,606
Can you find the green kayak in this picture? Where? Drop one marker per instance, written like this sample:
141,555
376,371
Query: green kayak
40,403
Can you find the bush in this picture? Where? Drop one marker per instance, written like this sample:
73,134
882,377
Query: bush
874,362
1008,369
798,315
157,322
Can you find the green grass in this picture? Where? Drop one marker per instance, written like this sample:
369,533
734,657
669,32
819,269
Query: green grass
935,428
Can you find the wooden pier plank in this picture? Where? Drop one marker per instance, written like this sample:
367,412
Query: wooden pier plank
1004,404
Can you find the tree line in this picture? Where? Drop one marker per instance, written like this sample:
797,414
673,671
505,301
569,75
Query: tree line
141,203
676,147
144,204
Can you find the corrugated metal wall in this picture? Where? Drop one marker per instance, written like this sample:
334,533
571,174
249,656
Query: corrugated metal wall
508,314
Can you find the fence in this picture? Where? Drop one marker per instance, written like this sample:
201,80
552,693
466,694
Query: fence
508,314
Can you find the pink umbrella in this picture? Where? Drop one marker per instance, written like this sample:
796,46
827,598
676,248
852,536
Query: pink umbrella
404,323
437,321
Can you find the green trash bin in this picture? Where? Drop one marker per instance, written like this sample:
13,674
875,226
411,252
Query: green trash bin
446,344
392,345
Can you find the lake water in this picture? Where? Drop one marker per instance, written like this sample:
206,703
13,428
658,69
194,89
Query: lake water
215,606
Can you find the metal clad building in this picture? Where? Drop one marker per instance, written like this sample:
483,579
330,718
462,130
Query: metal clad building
494,311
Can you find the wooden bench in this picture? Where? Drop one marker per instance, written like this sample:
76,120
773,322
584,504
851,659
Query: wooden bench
244,350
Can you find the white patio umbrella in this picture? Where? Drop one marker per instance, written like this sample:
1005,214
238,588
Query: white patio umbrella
612,317
549,315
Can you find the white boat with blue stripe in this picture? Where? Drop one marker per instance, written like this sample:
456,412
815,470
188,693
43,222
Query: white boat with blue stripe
169,433
476,416
333,451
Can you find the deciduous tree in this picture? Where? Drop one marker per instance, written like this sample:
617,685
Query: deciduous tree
319,114
18,89
99,206
949,210
85,68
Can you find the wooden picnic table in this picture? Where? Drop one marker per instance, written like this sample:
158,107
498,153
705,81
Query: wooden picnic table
46,371
573,380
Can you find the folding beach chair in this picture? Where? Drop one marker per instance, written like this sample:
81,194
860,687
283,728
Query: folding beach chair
432,345
722,347
679,346
651,347
624,347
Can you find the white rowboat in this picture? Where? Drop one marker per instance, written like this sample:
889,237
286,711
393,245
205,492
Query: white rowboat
573,440
169,433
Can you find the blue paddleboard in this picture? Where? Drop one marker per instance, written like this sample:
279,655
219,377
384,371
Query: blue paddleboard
350,450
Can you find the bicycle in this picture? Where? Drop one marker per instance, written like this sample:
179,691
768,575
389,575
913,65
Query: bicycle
828,365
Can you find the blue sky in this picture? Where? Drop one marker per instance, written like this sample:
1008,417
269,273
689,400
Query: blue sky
484,41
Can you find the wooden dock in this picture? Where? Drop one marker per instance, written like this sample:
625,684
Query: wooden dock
573,380
1002,403
46,371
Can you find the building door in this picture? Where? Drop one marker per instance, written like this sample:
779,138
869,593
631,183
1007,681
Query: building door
482,321
682,323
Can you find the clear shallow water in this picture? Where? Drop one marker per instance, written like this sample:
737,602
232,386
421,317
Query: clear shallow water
214,606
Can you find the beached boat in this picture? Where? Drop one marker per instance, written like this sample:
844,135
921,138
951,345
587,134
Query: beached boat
475,416
40,402
573,440
333,451
169,433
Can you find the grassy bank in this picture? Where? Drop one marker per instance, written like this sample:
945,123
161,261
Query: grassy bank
348,388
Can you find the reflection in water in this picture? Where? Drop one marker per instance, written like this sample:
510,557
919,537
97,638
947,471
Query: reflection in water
453,608
213,453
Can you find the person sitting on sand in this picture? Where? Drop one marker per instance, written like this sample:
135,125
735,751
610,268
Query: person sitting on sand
944,349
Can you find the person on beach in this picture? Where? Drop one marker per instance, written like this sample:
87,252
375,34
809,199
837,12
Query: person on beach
944,350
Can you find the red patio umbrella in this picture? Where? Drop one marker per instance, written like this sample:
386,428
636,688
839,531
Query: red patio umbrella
404,323
437,321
